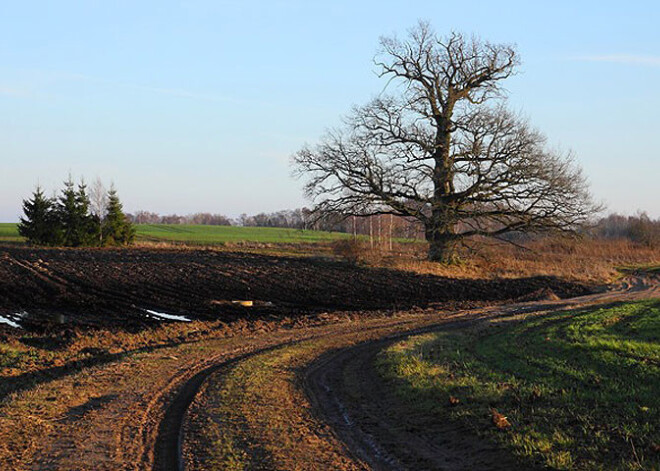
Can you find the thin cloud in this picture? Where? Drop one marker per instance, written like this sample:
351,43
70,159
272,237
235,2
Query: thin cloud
47,77
8,91
13,92
625,59
179,93
160,90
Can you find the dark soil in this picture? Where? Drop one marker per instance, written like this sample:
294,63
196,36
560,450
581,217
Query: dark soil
115,287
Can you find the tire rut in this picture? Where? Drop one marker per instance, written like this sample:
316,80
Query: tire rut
386,441
159,435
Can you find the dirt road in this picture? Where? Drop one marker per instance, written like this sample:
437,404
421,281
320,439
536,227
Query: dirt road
342,409
385,440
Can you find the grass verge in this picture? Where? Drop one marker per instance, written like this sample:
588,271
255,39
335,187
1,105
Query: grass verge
256,417
650,269
572,390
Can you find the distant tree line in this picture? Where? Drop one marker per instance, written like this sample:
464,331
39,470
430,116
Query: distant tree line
147,217
293,219
289,218
639,228
77,217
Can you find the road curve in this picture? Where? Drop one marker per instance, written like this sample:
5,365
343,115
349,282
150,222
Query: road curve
385,442
371,438
127,413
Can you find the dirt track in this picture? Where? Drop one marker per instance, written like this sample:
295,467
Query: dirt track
343,392
138,410
385,440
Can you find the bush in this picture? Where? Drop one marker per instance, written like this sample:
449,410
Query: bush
356,251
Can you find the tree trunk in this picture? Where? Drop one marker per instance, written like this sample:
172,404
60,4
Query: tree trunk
442,245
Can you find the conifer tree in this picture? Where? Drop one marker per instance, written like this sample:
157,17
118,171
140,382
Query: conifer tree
117,229
79,227
40,225
67,211
69,220
90,225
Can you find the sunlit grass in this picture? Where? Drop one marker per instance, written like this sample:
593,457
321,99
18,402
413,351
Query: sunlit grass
580,389
653,269
9,233
207,235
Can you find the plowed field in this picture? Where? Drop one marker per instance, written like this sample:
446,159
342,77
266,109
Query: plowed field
120,287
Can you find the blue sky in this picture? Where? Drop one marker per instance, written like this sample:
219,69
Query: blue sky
197,105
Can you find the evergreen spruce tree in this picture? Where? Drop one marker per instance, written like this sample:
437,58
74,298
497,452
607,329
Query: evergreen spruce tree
117,229
67,211
90,224
40,225
68,220
79,227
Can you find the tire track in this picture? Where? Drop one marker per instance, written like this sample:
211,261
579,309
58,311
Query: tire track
169,441
379,439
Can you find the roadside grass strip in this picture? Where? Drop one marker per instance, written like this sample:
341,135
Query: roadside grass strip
571,390
255,417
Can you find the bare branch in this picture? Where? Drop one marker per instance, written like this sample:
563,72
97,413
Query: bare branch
442,148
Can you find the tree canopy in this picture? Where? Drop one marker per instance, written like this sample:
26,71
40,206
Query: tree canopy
69,221
442,147
116,228
39,224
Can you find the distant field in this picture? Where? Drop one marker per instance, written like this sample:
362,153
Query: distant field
207,235
9,233
579,389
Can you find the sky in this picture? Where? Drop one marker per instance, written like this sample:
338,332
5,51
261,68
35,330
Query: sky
197,106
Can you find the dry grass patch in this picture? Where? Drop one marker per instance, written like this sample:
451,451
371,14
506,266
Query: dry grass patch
584,260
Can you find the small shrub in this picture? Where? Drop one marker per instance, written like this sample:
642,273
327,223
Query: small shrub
356,251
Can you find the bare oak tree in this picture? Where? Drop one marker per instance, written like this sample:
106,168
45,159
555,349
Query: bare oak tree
442,148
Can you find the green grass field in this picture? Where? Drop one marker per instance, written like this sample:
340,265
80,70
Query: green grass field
210,235
207,235
580,390
9,233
